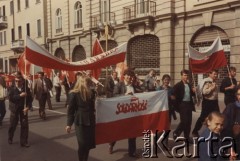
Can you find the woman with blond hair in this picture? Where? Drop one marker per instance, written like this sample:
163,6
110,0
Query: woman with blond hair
81,111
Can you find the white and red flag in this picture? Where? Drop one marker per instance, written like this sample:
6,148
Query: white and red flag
129,116
97,49
212,58
41,57
24,65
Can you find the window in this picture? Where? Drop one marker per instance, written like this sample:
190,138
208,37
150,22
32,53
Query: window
19,32
3,9
78,15
26,3
13,34
39,28
11,8
19,5
1,38
5,37
58,21
38,1
28,29
105,10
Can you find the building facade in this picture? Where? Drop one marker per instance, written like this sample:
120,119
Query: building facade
157,32
19,18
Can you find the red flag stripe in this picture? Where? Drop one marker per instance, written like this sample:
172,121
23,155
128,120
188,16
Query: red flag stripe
131,127
216,60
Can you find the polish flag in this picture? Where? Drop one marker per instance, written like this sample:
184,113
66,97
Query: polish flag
41,57
24,65
206,61
129,116
97,49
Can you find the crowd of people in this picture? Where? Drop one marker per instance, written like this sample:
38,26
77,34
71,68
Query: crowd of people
81,95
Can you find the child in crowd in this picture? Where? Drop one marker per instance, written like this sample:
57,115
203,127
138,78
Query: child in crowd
210,142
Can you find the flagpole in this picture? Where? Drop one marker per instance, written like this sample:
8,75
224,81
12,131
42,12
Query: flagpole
25,83
194,84
229,74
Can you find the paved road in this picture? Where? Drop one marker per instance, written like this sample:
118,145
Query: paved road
50,142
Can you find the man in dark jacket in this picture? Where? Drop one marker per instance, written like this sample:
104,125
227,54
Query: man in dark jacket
183,94
50,86
228,86
19,98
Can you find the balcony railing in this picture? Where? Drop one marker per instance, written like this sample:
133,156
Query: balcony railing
143,9
17,45
106,17
3,22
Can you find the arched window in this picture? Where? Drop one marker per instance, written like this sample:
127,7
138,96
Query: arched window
58,20
78,15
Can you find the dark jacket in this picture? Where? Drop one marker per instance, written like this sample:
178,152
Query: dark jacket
120,88
178,92
81,112
17,102
229,95
204,147
232,114
109,86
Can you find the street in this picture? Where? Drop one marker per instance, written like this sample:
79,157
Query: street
50,142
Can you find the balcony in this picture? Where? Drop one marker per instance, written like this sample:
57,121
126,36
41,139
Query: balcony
17,46
3,22
106,18
139,10
140,14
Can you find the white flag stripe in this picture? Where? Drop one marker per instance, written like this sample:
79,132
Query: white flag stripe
196,55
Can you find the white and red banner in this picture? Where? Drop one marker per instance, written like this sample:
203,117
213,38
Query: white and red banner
204,62
41,57
128,116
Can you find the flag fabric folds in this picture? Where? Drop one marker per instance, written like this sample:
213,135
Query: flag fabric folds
97,49
128,116
41,57
206,61
21,64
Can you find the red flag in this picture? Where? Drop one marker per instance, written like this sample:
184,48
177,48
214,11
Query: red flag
97,49
21,64
35,52
205,62
48,71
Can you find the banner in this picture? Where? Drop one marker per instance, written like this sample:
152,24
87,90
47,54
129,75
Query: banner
35,53
204,62
128,116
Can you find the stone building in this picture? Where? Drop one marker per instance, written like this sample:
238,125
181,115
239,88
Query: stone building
19,18
157,31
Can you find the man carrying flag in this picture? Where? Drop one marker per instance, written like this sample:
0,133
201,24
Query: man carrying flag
210,100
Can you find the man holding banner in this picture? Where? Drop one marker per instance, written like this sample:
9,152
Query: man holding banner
125,88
